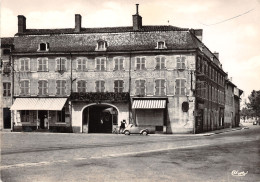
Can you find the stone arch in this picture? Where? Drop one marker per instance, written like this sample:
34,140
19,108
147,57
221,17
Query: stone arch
94,120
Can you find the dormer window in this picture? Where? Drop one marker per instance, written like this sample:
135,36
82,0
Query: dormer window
6,51
44,46
101,46
161,45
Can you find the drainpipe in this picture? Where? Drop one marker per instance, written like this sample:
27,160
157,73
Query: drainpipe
71,81
130,80
12,92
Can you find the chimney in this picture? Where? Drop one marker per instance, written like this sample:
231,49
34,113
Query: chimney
216,54
21,24
198,33
77,22
137,20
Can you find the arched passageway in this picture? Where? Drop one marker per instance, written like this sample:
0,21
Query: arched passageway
99,118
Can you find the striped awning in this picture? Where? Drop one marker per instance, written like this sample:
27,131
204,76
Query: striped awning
38,104
149,104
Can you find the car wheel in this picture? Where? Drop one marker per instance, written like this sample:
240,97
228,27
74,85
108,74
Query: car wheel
127,132
144,133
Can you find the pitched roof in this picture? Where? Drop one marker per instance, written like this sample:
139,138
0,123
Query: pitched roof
99,30
117,38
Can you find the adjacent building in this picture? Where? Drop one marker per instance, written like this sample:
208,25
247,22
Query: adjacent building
6,84
90,79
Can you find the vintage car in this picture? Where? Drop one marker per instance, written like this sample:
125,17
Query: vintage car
132,129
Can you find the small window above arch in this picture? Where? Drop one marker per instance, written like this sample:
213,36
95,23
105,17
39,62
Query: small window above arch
44,46
161,45
101,45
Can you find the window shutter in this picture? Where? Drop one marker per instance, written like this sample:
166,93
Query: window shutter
45,87
63,63
57,64
177,85
84,64
183,62
58,87
40,87
39,64
156,87
163,66
97,86
102,86
46,64
78,64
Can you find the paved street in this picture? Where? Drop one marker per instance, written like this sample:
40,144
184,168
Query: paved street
110,157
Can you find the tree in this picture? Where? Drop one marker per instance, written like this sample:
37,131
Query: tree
246,113
254,102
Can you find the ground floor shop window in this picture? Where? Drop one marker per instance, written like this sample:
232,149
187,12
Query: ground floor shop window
28,116
61,116
24,116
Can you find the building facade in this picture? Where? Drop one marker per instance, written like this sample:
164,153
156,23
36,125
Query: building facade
90,79
6,84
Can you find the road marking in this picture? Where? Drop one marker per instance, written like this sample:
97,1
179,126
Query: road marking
112,155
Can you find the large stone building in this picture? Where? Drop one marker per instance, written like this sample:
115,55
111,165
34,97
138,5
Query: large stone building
6,83
89,79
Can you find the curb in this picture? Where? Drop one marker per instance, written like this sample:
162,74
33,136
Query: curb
225,131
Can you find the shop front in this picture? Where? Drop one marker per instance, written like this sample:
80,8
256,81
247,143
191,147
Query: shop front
150,113
41,114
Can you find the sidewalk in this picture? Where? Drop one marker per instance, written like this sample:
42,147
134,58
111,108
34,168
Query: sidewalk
222,131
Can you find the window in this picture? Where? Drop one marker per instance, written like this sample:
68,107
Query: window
61,116
181,62
61,64
43,87
101,46
7,89
24,64
82,86
42,64
24,87
61,87
100,86
6,51
198,64
160,87
100,64
180,86
161,45
6,67
119,63
140,87
43,47
140,63
25,116
119,85
160,63
81,62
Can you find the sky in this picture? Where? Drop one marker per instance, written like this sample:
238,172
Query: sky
236,39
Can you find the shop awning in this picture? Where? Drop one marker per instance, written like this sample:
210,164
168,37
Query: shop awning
149,104
38,104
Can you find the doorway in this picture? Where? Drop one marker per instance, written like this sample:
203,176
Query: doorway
7,118
41,114
99,118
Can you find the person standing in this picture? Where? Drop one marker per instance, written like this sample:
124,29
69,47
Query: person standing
45,121
122,126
